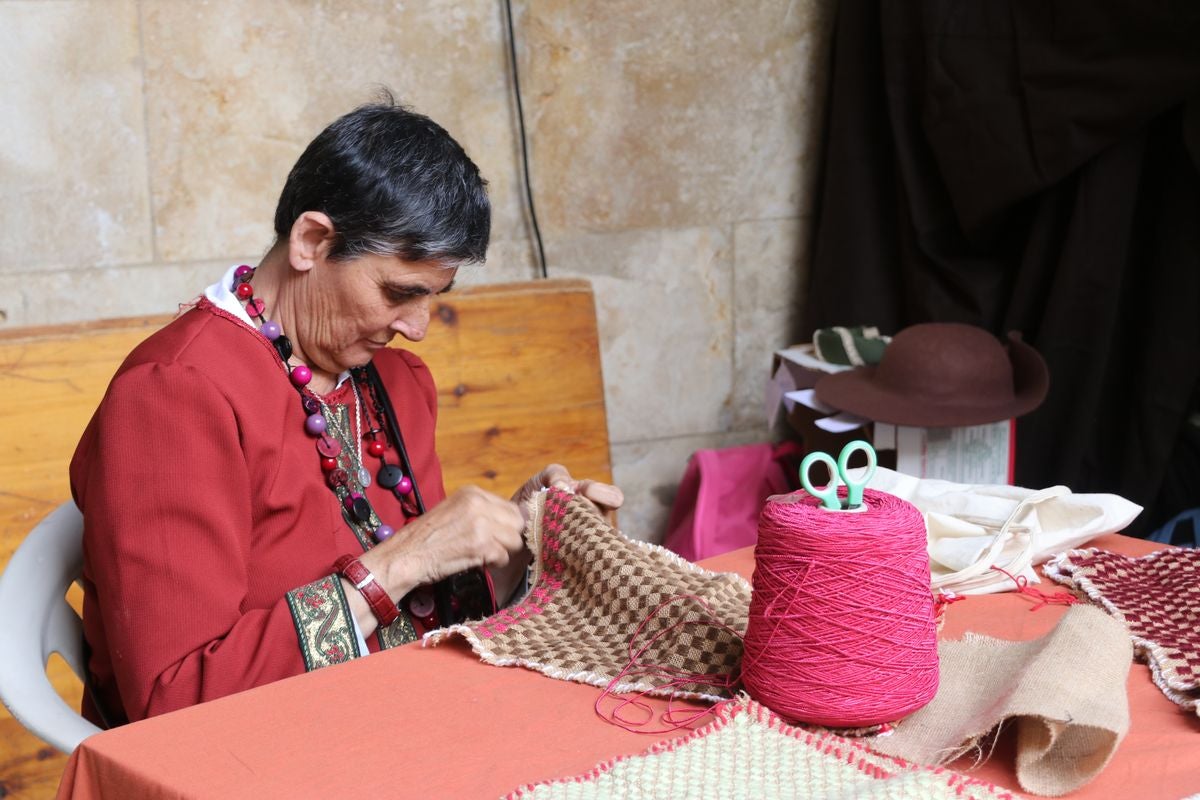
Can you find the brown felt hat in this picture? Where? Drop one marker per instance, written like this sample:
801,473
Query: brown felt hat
942,375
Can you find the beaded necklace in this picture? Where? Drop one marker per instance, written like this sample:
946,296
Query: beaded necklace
339,445
338,441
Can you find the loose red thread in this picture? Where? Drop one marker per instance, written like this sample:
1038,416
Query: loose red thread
664,678
941,601
1059,598
842,626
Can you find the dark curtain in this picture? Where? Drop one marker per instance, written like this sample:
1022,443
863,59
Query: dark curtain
1031,165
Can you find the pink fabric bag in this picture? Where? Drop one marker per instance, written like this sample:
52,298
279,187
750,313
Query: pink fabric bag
721,495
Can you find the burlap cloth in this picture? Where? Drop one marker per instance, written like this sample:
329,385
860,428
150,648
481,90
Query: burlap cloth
1158,598
591,590
748,752
1065,693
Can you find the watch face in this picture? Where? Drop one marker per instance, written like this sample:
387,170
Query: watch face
420,602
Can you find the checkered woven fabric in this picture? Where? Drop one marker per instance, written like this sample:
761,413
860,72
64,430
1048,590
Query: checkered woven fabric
748,752
1158,598
591,590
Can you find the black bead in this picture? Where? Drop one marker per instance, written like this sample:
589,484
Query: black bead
310,405
389,476
362,509
283,346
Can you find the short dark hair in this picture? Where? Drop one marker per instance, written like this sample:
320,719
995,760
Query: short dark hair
393,182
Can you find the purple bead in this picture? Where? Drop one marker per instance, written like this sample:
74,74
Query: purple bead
301,375
315,424
383,533
272,329
243,271
405,485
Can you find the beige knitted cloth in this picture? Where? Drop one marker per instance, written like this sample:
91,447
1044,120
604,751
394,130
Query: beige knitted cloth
748,752
1065,694
1158,597
591,590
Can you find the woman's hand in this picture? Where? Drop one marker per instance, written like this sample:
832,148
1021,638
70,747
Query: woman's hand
470,528
604,496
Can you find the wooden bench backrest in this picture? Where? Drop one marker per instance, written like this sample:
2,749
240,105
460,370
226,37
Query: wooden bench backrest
519,386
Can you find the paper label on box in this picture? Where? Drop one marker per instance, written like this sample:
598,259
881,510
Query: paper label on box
977,454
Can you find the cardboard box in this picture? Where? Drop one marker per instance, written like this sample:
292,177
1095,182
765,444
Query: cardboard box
977,454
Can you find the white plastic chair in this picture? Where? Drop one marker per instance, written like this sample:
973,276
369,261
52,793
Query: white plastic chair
36,620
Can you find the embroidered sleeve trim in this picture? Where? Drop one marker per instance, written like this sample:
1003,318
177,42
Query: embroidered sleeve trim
323,626
399,632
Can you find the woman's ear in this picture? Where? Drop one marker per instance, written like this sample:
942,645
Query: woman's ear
309,242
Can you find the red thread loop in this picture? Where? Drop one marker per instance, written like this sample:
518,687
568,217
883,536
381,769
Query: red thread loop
943,600
673,680
1059,598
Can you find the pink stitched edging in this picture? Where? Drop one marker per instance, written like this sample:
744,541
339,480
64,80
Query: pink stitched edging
548,583
852,752
547,586
1056,568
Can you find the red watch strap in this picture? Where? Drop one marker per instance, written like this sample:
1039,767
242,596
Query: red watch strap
381,605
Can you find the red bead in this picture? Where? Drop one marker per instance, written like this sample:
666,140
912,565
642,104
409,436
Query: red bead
301,375
329,464
244,291
376,447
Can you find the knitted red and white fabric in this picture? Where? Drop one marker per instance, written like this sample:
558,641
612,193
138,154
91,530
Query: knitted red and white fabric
1158,598
749,752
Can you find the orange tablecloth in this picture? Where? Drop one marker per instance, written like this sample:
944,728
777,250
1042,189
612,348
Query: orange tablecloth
417,722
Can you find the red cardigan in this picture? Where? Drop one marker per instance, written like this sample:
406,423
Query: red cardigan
209,530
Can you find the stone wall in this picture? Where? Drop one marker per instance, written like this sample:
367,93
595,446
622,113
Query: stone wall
672,146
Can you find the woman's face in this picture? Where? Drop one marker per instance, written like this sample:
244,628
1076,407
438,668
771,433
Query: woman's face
352,309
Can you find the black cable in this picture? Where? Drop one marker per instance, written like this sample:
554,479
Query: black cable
512,53
389,418
442,592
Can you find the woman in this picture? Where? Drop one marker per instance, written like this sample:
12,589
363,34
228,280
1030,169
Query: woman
259,485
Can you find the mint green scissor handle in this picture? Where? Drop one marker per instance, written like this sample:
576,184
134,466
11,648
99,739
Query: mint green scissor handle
828,494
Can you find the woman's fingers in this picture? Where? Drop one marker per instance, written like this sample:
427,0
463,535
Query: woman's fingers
604,495
555,475
469,528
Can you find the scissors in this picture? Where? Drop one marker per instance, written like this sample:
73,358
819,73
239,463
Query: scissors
828,495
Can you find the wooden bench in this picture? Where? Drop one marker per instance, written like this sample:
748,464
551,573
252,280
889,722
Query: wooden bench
519,386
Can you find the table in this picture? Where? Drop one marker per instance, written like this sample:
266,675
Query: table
436,722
